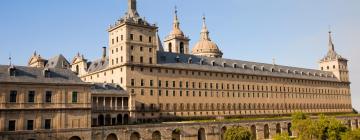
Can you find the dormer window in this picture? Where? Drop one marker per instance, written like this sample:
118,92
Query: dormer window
190,60
235,65
12,71
272,70
224,64
213,63
262,68
244,66
254,67
201,61
47,73
177,59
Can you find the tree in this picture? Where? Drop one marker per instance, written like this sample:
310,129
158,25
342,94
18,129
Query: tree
351,135
303,126
238,133
282,136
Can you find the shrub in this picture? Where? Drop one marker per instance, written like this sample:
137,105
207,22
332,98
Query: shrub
238,133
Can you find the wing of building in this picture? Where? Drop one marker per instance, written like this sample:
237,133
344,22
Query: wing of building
167,80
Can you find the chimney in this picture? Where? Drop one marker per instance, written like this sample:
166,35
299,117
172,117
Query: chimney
103,59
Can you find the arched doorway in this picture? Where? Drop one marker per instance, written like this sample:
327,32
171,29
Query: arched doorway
108,119
253,131
278,128
266,131
111,137
222,133
135,136
289,129
126,119
175,134
101,120
201,134
75,138
182,49
156,135
119,119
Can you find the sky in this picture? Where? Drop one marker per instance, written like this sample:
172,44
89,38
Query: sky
293,33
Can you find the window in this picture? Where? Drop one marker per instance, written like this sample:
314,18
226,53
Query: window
141,59
150,39
30,125
48,95
13,95
131,36
112,41
132,82
150,60
31,96
12,124
150,49
47,124
151,92
142,83
159,83
170,47
151,83
141,49
75,97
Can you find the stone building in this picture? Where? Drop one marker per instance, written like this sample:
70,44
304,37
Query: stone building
170,82
43,103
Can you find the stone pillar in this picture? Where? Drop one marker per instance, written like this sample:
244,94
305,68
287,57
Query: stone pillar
111,102
116,103
122,103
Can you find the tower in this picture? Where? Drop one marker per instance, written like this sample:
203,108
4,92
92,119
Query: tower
335,63
132,39
176,41
79,65
205,47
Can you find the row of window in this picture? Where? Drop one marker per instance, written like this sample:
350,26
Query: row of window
32,94
172,72
29,125
222,86
141,59
240,95
132,37
239,106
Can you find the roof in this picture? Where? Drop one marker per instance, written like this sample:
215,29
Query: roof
98,65
58,61
106,88
187,61
36,75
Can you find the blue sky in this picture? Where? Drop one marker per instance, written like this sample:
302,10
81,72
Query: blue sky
292,32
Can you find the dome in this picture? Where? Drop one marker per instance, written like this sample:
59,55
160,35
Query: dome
177,32
205,47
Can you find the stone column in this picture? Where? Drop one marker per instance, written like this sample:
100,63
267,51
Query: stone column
97,102
116,103
111,102
122,103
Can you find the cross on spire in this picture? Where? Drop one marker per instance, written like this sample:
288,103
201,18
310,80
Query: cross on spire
331,44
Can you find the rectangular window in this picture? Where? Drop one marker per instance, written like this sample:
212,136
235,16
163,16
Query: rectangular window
31,96
150,39
48,95
131,36
75,97
141,38
30,125
132,82
142,83
159,92
142,92
151,83
47,124
159,83
12,124
13,95
150,49
151,93
173,84
166,83
150,60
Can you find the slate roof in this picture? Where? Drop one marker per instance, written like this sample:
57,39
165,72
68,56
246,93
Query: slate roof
106,88
36,75
58,61
98,65
186,61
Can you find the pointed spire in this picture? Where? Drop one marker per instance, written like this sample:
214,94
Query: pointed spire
331,44
132,11
204,31
176,24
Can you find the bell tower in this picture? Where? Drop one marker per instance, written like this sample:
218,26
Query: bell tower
176,41
335,63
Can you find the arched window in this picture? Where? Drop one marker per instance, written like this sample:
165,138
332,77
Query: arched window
77,69
182,49
170,47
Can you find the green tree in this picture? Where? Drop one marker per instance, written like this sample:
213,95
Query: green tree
282,136
303,126
351,135
238,133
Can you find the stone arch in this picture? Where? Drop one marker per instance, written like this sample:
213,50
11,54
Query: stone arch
289,129
175,135
126,119
75,138
112,136
182,48
222,133
253,131
101,120
119,119
266,131
135,136
201,134
156,135
278,128
108,119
